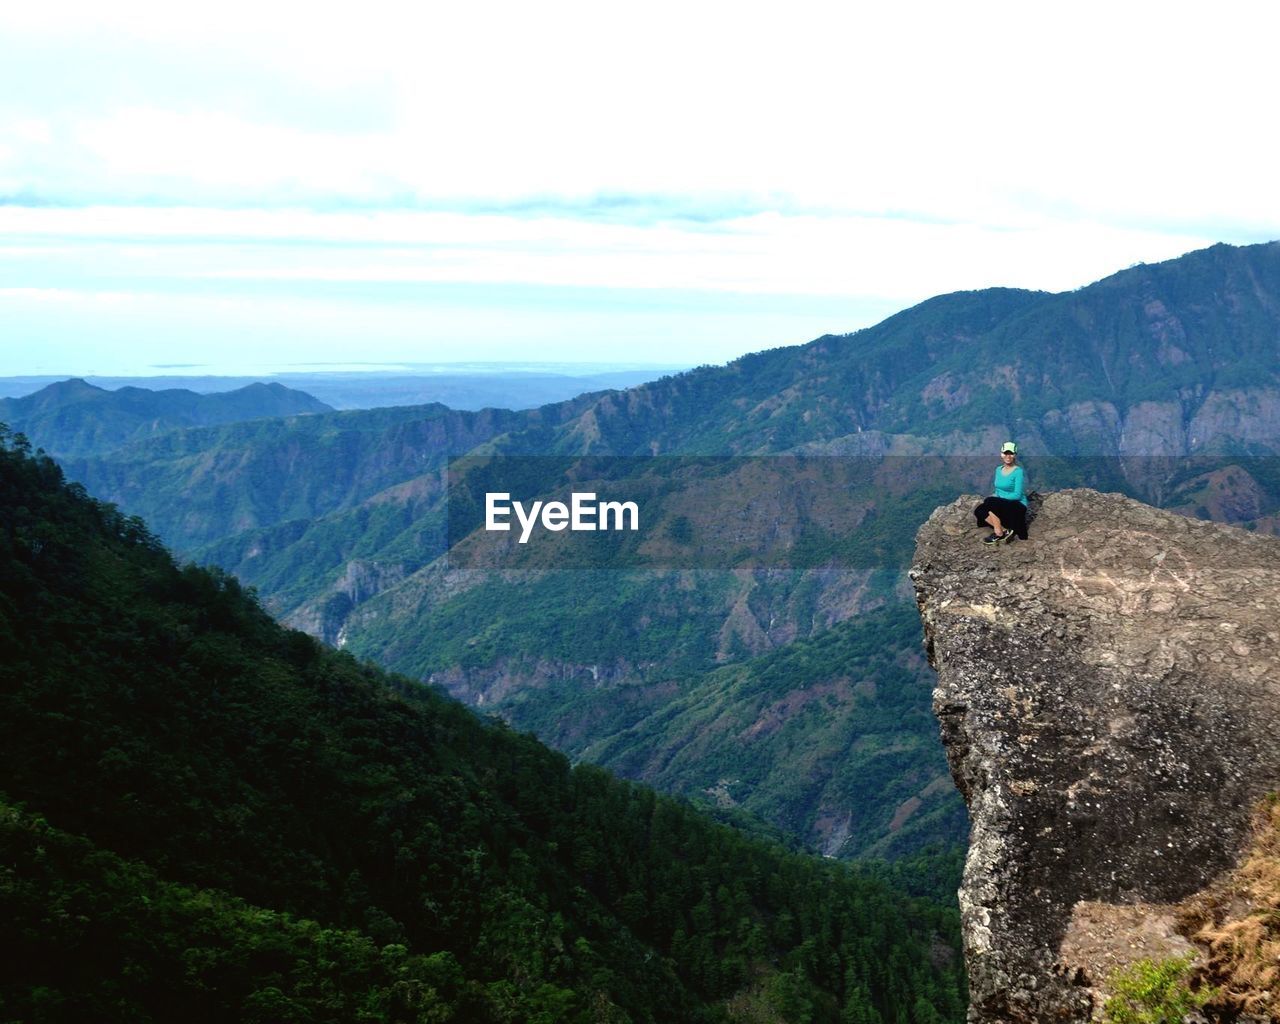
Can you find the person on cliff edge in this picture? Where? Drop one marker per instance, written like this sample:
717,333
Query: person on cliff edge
1006,510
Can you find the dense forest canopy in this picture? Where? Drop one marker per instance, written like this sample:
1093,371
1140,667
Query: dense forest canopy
205,816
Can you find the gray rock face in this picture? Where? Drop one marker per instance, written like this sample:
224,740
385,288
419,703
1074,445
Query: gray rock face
360,580
1109,697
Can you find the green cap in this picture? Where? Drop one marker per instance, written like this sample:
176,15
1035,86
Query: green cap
1009,446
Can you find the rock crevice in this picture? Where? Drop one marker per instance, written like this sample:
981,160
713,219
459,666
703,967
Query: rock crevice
1109,698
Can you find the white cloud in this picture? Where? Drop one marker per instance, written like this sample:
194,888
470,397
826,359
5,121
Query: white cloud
69,296
763,253
1127,115
211,148
800,256
887,151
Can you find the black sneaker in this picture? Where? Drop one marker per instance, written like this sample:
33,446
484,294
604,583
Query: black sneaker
991,538
1009,537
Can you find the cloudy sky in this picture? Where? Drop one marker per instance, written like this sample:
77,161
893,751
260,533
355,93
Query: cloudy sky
239,187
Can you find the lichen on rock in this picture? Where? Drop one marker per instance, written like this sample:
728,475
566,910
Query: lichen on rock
1109,698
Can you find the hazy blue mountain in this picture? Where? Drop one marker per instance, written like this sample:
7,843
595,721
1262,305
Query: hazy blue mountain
1161,361
202,485
73,418
460,386
474,390
1098,370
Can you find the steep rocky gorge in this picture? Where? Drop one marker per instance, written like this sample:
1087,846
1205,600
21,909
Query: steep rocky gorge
1109,697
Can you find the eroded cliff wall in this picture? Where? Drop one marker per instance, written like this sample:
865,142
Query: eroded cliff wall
1109,697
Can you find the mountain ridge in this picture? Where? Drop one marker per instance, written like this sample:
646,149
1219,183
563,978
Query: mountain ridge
339,519
74,418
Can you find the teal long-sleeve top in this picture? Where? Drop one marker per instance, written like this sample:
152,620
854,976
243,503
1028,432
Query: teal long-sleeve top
1010,485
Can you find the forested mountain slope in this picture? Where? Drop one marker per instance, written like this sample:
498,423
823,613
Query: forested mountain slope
208,817
1168,358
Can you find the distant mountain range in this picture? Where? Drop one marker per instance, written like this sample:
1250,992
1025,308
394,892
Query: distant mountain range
460,386
73,418
339,520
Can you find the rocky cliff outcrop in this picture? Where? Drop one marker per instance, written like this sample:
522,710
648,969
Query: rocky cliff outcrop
1109,697
360,580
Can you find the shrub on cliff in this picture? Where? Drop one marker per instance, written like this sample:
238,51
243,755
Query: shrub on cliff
1153,992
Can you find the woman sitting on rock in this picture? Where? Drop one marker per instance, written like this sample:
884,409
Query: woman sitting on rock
1006,510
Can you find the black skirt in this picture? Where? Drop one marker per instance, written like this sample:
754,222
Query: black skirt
1012,514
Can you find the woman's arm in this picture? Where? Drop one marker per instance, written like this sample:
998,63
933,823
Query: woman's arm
1018,482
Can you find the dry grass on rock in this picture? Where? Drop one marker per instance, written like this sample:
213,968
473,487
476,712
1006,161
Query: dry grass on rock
1237,923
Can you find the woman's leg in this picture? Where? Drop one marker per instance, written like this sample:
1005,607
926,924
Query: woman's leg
1007,517
1019,522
